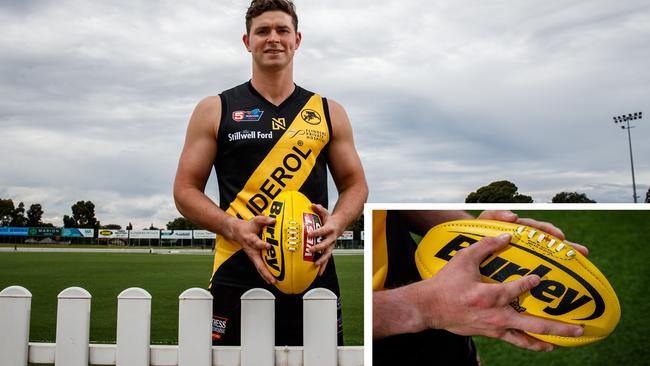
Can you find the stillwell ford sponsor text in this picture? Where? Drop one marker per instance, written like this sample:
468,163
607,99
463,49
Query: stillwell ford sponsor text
249,135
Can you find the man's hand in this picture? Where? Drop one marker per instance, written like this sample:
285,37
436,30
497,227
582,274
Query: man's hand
457,300
246,233
509,216
328,234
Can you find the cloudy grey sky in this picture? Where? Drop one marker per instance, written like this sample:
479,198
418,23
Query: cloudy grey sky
444,96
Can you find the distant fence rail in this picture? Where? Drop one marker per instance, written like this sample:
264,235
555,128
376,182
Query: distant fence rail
160,238
336,252
132,347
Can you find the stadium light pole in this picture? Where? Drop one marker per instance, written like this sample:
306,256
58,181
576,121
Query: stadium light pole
626,119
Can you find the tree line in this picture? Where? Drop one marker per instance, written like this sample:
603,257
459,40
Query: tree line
82,217
504,191
11,215
83,212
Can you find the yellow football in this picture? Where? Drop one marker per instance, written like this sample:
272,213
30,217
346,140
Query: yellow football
572,289
290,259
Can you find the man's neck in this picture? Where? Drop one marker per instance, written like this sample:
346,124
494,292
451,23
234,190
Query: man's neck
274,86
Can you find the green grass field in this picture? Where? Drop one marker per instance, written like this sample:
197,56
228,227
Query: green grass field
105,275
618,246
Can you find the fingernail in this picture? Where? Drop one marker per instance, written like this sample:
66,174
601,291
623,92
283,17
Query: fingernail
578,332
548,348
534,280
504,237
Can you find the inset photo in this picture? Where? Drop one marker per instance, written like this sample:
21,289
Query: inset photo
508,284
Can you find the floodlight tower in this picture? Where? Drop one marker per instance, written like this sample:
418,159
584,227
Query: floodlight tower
626,119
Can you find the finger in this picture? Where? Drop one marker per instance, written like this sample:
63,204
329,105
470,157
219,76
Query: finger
478,251
256,243
324,230
326,243
523,340
327,239
579,247
261,221
320,211
324,258
517,287
500,215
537,325
323,265
262,270
544,226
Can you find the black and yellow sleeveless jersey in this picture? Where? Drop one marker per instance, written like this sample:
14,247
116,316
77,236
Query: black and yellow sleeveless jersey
262,150
393,252
393,265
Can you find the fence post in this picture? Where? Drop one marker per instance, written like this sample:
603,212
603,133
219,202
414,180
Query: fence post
72,327
319,328
133,327
15,307
195,328
257,328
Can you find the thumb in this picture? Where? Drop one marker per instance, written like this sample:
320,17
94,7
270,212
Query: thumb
320,210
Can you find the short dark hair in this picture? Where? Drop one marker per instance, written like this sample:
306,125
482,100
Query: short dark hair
258,7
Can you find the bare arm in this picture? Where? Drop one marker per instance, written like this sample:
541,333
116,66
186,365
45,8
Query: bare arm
195,165
350,181
192,175
456,300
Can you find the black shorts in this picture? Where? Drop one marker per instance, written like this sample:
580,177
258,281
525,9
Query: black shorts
431,347
226,310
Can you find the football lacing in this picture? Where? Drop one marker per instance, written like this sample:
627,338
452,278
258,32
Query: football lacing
551,243
293,236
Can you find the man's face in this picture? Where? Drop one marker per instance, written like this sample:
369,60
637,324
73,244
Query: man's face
272,40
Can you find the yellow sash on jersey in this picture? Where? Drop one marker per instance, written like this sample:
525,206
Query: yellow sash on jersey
286,167
379,250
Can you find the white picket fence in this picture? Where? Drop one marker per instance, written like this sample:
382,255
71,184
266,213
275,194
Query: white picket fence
133,348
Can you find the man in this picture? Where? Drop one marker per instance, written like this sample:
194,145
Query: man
434,318
263,137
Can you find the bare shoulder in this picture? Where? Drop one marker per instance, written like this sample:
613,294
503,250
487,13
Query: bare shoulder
335,107
338,118
207,114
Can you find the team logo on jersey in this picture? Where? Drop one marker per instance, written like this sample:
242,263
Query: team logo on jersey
278,123
247,116
310,116
308,133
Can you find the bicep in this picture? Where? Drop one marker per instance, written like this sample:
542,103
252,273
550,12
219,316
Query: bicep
200,146
345,163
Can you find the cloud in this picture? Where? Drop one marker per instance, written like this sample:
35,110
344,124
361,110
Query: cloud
443,96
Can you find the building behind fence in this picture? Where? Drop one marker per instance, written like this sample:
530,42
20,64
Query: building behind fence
133,348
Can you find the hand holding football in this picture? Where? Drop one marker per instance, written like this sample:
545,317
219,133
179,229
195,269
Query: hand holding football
571,290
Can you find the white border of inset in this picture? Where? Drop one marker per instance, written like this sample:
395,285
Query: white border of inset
367,258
